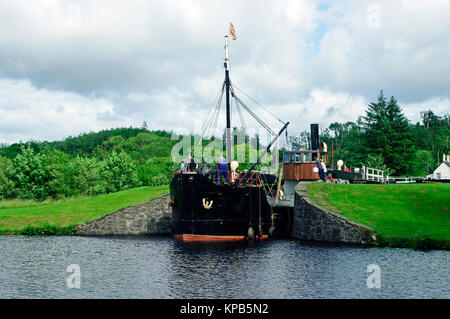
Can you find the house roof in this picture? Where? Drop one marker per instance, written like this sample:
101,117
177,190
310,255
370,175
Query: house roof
442,164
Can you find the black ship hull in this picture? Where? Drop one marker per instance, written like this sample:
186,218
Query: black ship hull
205,211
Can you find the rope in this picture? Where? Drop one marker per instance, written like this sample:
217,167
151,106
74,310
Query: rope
213,107
252,113
241,117
258,103
270,188
211,124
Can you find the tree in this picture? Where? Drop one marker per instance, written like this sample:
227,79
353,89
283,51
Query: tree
425,162
156,171
6,184
55,163
29,175
119,172
377,161
85,177
433,134
388,133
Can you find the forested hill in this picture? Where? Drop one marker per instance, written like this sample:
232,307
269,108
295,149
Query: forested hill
89,164
155,143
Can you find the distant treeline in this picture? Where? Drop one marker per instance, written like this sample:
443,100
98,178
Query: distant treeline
384,138
90,164
122,158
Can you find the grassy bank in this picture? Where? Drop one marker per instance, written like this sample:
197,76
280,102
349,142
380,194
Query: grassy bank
404,215
58,218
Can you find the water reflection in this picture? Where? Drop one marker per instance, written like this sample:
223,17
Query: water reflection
159,267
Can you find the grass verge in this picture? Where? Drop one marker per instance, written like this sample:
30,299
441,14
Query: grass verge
59,218
403,215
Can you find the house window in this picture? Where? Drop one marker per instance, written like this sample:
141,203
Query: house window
438,175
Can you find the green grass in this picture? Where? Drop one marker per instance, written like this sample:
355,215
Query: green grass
59,217
401,214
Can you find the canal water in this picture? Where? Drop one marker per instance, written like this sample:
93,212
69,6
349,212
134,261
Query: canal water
159,267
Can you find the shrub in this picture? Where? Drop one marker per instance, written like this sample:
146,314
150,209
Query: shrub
85,177
6,184
29,175
48,230
156,171
118,171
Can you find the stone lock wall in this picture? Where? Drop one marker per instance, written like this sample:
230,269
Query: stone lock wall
153,217
314,223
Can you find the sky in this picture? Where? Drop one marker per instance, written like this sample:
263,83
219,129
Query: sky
69,67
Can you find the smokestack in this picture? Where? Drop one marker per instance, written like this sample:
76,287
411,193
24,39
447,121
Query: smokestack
314,137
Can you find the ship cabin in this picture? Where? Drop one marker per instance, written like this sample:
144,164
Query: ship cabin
299,165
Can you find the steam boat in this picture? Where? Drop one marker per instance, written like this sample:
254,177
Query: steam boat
205,209
251,205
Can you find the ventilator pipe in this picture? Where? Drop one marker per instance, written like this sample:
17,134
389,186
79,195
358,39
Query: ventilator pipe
340,163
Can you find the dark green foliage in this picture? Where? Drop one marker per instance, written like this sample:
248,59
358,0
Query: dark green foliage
6,184
156,171
48,230
424,163
55,163
377,161
84,144
108,164
420,241
119,172
385,131
29,175
348,143
432,135
84,177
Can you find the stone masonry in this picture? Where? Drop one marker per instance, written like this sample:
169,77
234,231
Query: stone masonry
152,217
314,223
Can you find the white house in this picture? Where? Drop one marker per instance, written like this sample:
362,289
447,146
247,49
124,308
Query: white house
442,172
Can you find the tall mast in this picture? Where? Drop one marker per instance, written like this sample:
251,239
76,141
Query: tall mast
227,85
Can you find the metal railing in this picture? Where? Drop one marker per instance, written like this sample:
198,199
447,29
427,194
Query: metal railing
373,174
405,179
218,176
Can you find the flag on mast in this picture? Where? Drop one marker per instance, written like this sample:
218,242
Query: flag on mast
232,31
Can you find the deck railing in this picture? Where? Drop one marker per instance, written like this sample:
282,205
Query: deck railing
235,178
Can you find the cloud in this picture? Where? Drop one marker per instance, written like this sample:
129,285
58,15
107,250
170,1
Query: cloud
69,66
28,113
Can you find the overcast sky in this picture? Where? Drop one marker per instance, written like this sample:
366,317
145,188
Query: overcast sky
68,67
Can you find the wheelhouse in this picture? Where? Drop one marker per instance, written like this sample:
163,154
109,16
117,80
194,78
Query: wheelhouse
299,165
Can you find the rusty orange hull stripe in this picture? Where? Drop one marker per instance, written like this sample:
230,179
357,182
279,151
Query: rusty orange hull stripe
193,237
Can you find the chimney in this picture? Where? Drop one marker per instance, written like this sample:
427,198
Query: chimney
314,137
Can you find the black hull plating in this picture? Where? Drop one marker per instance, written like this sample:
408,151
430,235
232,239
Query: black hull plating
233,208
